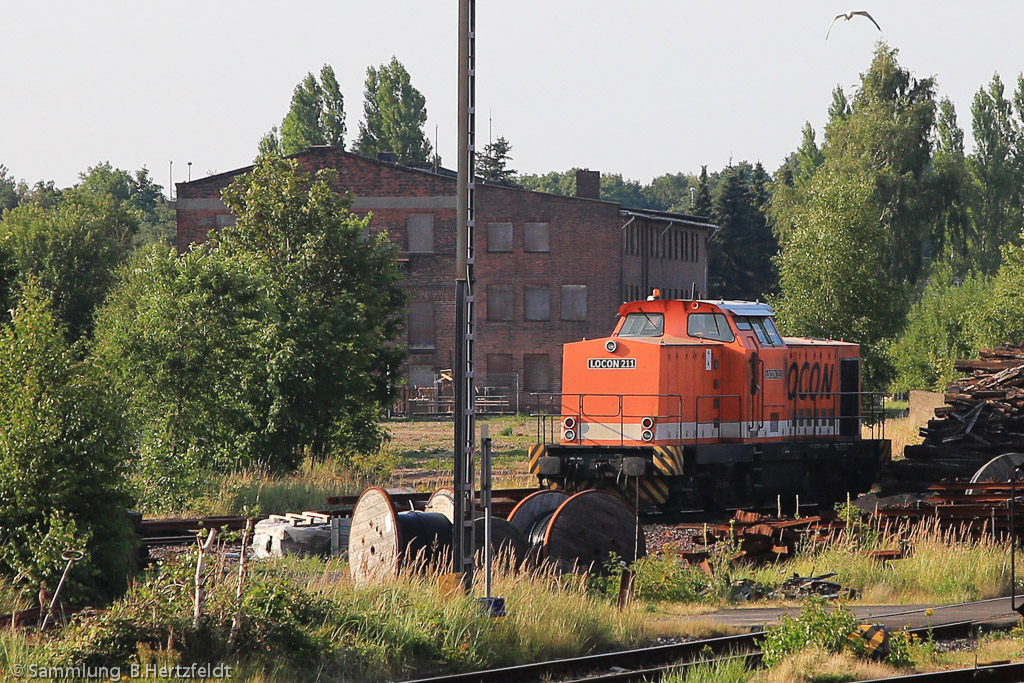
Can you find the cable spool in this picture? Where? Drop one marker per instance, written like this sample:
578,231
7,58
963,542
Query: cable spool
1001,468
579,532
505,538
381,540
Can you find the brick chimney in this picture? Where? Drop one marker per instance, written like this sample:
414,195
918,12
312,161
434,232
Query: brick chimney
588,184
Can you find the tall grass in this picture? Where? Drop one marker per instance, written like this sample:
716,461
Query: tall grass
944,566
306,620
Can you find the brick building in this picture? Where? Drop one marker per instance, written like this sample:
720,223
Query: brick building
549,269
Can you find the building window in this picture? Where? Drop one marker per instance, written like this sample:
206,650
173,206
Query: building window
419,231
501,300
574,302
537,372
499,237
536,237
421,326
537,303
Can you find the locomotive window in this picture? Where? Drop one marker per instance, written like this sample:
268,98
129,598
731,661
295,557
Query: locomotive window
709,326
643,325
764,328
773,334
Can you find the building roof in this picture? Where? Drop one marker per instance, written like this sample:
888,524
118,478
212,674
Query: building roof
448,174
669,217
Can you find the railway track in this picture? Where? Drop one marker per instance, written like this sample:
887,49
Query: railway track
647,664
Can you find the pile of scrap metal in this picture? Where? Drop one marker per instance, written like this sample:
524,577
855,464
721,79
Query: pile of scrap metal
795,588
759,538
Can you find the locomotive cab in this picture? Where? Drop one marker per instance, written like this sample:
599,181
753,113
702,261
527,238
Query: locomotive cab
705,402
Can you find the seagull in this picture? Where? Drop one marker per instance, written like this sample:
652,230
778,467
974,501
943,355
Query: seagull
849,15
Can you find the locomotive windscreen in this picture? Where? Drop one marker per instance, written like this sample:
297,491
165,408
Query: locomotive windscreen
643,325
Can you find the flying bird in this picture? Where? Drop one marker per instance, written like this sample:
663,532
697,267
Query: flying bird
849,15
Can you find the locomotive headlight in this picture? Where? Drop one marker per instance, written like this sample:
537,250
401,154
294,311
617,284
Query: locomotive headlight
610,346
569,435
647,423
569,422
647,435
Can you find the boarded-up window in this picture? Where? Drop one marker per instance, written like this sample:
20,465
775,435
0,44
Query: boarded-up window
538,303
501,300
419,229
499,237
499,370
574,302
225,220
536,237
421,375
537,371
421,326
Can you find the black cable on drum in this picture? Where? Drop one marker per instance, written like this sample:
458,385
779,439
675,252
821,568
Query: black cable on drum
424,532
539,528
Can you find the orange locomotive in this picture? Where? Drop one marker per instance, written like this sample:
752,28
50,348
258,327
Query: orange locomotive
704,402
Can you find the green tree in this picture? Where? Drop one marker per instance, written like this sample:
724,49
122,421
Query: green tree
63,454
316,117
134,194
702,205
942,326
670,192
338,297
492,165
995,168
275,341
953,238
8,190
629,193
740,254
71,250
189,341
854,232
831,269
394,113
552,182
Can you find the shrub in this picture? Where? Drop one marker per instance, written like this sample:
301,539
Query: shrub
63,449
818,624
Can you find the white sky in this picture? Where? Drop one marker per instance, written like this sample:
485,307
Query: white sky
643,87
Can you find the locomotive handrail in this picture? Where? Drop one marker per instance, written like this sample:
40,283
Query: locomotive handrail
860,417
580,413
556,403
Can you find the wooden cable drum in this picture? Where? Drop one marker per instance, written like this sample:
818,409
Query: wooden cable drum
1001,468
443,502
525,515
505,538
381,541
579,532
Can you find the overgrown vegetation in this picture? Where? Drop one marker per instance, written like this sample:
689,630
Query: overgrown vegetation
305,620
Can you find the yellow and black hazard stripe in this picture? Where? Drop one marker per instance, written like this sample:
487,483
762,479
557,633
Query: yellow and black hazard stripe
668,460
875,639
536,452
654,490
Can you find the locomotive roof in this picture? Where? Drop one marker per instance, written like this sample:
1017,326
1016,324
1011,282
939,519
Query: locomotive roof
750,308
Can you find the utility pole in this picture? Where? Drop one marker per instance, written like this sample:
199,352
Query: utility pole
465,315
